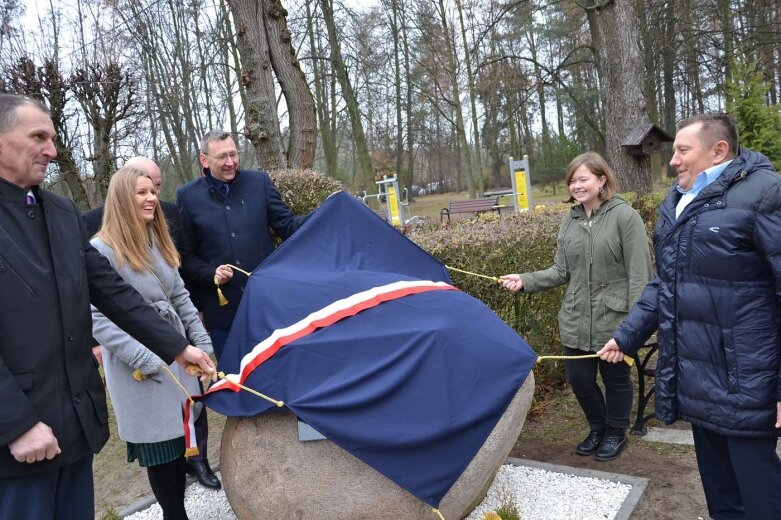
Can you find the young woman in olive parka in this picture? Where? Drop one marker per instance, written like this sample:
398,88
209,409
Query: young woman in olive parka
602,253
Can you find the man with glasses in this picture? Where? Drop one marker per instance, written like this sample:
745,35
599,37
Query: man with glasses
226,215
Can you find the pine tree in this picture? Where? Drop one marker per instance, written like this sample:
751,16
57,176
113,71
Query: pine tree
759,124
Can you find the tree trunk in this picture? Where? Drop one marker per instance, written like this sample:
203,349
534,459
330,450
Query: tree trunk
470,82
366,171
621,74
261,117
455,98
327,134
300,103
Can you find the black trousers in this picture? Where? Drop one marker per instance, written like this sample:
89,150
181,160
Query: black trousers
741,476
609,409
59,494
168,483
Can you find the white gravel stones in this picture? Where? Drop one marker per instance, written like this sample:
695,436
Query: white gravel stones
549,495
201,504
538,494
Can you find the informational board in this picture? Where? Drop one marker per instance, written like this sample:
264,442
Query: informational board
522,184
389,186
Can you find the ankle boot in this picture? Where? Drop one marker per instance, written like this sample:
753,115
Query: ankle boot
590,443
613,443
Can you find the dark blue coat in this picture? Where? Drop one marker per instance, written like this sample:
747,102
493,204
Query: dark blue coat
230,230
716,300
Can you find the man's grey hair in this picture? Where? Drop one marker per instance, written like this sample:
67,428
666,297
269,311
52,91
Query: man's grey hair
212,136
8,105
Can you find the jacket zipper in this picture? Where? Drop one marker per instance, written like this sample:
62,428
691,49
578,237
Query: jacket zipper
692,225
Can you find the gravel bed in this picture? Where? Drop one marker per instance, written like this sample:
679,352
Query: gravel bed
538,494
201,504
549,495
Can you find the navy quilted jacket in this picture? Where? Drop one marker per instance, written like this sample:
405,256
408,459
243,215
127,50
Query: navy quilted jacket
716,301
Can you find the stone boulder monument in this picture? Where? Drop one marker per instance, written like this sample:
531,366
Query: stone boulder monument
268,473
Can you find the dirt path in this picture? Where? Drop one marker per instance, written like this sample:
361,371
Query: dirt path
674,491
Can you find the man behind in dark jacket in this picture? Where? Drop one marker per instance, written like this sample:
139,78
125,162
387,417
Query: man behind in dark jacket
198,465
716,301
53,414
226,215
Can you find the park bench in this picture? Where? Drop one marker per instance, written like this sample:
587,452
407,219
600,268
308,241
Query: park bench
473,206
642,360
382,213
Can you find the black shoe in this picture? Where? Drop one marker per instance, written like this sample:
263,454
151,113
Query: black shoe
612,445
201,470
590,443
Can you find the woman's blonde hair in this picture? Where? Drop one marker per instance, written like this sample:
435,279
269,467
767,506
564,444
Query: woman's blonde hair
597,165
125,231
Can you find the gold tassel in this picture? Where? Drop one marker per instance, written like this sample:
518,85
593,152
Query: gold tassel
220,297
138,375
191,452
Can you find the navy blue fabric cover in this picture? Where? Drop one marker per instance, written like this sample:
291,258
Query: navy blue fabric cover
412,387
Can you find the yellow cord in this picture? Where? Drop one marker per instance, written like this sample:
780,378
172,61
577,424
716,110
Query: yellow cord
627,359
238,269
495,279
178,383
435,510
280,404
195,370
221,297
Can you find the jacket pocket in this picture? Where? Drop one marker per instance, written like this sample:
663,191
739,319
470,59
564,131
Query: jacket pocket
7,269
24,380
98,406
616,303
730,361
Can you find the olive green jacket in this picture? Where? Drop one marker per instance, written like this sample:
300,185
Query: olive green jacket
607,263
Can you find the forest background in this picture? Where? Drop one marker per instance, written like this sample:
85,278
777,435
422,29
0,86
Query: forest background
440,92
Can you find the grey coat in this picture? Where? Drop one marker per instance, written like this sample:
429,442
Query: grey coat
149,410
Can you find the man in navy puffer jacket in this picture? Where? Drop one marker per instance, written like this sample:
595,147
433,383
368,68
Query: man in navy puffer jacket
716,302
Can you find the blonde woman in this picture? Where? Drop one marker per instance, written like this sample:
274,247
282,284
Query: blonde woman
134,238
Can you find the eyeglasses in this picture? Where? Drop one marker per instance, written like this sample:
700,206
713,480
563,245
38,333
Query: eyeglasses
223,157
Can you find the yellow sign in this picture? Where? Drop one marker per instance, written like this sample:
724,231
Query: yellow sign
393,206
522,197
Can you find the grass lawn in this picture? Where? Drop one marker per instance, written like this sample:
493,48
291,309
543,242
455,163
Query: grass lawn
429,206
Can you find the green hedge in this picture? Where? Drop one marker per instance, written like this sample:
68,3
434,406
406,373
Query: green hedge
303,190
511,244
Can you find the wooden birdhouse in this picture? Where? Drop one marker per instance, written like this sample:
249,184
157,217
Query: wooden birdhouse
645,139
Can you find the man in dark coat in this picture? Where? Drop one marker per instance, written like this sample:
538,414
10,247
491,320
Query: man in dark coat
198,465
226,215
53,414
716,302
